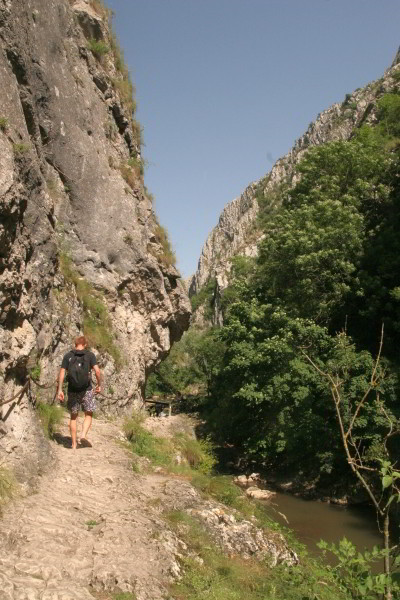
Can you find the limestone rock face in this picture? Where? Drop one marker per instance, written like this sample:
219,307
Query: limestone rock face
228,238
65,132
236,232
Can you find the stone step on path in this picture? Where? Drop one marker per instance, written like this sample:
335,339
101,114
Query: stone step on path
88,530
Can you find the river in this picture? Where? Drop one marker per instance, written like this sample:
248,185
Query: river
312,521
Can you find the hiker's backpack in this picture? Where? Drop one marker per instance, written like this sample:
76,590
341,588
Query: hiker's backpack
78,371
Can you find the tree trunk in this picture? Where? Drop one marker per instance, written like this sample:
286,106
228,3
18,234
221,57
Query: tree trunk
386,538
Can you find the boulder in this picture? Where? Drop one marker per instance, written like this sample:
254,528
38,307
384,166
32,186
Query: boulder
258,494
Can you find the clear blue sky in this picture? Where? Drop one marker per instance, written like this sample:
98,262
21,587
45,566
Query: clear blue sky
224,87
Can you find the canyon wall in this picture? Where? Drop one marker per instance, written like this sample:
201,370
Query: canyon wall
80,246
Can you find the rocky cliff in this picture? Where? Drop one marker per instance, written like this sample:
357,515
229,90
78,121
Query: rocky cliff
80,247
237,232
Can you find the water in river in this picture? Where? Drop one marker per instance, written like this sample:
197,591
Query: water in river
312,521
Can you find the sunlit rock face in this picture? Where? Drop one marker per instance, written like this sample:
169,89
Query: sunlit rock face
65,131
237,231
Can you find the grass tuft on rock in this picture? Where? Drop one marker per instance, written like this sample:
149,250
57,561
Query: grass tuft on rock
51,417
166,256
98,48
132,172
143,443
21,148
199,454
3,124
126,91
181,454
8,485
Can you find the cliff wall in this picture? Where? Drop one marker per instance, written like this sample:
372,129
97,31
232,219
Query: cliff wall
80,246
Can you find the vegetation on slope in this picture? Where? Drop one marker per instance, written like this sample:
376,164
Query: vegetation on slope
306,316
208,572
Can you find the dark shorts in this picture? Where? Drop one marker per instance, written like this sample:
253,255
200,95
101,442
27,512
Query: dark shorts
81,401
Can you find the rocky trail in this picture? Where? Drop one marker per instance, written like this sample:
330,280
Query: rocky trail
96,528
89,528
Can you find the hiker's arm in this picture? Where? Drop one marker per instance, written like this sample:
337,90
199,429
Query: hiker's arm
98,377
60,392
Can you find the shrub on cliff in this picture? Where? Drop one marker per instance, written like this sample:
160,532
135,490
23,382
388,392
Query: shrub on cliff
98,47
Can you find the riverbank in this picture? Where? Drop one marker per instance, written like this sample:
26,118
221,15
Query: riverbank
304,483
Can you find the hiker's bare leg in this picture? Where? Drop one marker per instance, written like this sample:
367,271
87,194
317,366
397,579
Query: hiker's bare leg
72,428
86,423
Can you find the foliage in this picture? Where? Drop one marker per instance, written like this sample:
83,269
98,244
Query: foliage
124,596
198,454
132,171
360,419
21,148
52,187
137,130
98,48
269,401
137,164
193,361
110,129
126,93
129,175
353,570
35,372
205,297
389,115
167,255
221,488
96,320
50,416
3,124
242,271
308,261
310,255
330,256
144,444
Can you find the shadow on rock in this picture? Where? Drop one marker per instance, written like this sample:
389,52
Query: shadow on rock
62,440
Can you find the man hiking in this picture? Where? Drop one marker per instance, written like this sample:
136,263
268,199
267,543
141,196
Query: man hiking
79,364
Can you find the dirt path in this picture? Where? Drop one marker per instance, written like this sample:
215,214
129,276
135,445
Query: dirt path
90,530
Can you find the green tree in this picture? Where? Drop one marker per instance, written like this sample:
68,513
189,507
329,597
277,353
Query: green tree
193,361
368,427
308,260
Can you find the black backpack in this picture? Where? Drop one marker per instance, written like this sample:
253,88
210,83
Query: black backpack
78,371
